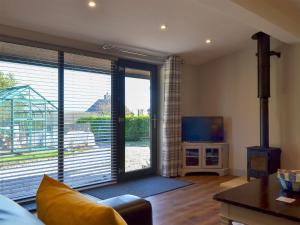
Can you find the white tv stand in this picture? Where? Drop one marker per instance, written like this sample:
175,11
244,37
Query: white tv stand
205,157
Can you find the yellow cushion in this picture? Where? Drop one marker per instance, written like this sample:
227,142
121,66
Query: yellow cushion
58,204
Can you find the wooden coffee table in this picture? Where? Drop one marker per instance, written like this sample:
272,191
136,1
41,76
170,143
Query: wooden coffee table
255,203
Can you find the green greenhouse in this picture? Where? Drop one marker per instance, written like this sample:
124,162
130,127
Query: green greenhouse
28,121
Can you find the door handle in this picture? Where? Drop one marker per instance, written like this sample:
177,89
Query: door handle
154,120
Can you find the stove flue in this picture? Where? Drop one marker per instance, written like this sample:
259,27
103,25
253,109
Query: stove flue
263,160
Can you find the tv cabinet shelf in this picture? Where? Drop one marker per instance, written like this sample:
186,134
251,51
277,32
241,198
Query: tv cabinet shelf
205,157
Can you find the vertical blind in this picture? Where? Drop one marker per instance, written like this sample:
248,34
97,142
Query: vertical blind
55,119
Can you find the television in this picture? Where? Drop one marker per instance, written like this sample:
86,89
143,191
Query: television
202,129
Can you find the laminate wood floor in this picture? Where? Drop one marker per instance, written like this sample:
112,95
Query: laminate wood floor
191,205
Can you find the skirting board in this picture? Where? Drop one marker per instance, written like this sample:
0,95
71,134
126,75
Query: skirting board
221,172
238,172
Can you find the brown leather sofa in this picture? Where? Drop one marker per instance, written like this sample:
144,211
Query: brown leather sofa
134,210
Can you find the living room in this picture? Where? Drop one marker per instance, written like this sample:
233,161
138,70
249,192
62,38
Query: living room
150,109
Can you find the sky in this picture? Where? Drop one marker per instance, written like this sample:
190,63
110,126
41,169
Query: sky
82,89
137,94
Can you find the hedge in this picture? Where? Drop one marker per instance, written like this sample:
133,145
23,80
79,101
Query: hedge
136,127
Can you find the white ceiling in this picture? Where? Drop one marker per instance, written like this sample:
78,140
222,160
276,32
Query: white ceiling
134,23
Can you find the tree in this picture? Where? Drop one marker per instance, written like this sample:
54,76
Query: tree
7,80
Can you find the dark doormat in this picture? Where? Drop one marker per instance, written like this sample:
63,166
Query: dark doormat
143,188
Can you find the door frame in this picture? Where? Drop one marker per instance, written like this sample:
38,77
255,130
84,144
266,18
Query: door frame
122,64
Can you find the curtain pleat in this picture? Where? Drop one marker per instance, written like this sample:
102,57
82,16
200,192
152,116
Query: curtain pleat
171,158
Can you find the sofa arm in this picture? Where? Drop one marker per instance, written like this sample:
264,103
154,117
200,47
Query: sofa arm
134,210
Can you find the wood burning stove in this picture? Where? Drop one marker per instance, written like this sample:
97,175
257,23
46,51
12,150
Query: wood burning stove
263,160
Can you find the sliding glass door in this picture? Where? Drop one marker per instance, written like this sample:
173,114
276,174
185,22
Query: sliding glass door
80,119
28,118
87,121
55,119
138,119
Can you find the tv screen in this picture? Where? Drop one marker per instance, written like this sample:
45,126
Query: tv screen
202,129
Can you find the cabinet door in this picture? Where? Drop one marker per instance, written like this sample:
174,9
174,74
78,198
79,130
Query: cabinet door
212,157
192,156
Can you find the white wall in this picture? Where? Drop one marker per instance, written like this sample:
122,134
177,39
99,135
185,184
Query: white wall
228,87
289,107
190,91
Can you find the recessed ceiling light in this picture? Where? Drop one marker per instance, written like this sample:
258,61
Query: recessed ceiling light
163,27
92,4
208,41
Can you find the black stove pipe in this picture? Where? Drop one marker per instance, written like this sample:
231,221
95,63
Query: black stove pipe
263,66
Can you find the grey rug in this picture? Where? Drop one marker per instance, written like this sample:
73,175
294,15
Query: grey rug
143,188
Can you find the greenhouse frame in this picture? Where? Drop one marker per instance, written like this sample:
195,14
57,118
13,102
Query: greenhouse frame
28,121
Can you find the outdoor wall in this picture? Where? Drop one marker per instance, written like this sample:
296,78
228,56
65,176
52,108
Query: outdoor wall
228,87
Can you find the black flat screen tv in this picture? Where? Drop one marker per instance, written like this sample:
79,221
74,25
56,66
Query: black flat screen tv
202,129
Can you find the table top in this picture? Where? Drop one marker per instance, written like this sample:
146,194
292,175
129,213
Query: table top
260,195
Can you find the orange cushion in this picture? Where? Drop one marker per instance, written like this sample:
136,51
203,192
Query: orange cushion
58,204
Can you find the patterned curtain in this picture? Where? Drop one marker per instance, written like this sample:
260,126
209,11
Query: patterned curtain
171,124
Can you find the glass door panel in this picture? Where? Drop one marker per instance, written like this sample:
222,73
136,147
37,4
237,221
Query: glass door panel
137,121
192,157
212,156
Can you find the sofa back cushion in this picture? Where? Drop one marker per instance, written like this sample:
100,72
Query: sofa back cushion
13,214
58,204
